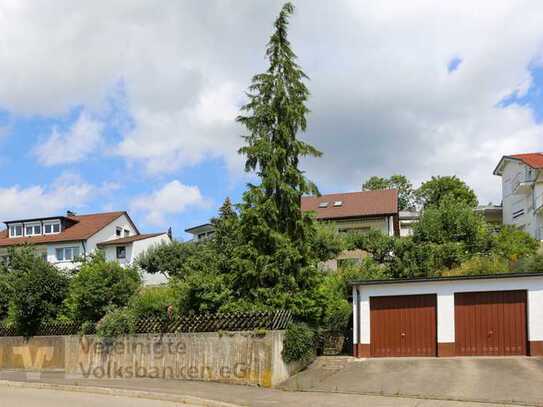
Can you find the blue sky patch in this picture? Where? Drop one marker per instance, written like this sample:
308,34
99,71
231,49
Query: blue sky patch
454,64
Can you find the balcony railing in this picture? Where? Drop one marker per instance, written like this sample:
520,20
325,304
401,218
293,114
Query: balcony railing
522,180
538,203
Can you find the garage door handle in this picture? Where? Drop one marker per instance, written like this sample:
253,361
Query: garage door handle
403,333
490,333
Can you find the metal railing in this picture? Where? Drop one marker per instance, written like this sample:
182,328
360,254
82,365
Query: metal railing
523,177
538,202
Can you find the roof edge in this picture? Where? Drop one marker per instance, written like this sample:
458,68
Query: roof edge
438,279
131,239
198,226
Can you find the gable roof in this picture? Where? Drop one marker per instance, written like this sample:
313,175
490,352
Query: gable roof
354,204
534,160
129,239
84,226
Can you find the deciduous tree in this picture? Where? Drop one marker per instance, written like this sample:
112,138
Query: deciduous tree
434,191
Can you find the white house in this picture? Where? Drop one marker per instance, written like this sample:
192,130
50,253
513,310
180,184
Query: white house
522,191
62,239
498,315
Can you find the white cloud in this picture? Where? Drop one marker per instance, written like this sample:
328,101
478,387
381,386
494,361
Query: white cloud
382,98
74,145
68,191
172,198
168,140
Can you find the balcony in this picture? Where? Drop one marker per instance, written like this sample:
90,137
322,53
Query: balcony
538,203
523,181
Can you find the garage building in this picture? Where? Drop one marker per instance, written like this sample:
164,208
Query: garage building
498,315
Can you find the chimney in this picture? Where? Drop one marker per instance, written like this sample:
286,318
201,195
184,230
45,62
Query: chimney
70,213
170,232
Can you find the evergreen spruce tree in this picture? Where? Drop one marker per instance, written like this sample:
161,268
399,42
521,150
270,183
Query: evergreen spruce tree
225,238
276,266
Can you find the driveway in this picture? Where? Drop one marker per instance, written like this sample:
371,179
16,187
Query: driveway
494,380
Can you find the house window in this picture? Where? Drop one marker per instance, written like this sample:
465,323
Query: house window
67,253
338,203
32,230
16,230
121,252
51,228
323,204
126,233
118,231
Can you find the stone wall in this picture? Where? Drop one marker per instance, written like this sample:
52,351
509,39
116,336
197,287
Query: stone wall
229,357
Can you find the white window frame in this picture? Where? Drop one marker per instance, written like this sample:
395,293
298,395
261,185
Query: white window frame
119,231
13,227
52,224
63,250
32,226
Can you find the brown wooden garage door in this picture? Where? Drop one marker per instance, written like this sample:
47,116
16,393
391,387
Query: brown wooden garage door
403,325
490,323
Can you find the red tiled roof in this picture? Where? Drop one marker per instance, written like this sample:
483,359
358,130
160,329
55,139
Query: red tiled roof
129,239
84,227
355,204
534,160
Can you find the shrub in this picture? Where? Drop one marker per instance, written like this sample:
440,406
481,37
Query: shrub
202,291
530,264
480,265
5,293
336,310
40,289
152,302
299,343
87,328
116,322
327,242
513,243
99,285
167,259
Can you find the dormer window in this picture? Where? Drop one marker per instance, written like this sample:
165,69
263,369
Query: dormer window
323,205
338,203
33,230
51,228
15,230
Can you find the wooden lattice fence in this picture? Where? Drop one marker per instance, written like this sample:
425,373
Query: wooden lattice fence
239,321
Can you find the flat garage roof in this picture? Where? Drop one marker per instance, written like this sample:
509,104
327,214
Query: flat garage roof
451,278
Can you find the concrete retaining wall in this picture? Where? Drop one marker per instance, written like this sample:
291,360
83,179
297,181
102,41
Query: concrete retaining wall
230,357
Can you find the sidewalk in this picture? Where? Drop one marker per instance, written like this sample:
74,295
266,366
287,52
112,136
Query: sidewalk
234,394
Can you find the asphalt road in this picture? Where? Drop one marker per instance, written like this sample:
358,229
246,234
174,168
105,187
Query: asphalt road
22,397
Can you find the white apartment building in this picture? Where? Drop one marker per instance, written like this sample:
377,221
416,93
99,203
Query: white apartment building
522,191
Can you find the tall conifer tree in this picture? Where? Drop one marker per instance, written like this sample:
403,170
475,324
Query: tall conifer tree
276,264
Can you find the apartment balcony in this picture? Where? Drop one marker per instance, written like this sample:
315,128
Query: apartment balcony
538,204
523,182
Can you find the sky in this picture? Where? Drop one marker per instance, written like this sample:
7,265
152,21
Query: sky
131,104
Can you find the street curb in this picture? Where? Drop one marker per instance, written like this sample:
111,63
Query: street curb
108,391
